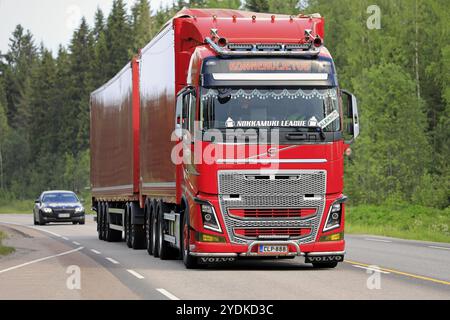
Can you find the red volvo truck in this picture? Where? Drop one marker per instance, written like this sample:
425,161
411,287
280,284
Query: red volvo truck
225,139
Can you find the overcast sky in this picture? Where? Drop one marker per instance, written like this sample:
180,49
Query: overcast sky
52,21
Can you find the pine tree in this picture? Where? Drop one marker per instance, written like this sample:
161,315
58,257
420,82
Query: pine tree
118,39
141,25
99,24
226,4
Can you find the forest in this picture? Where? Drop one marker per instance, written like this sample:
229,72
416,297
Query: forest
399,70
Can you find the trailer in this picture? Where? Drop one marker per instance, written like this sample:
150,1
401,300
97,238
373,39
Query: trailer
225,139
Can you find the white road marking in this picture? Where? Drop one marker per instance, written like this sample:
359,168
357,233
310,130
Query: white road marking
35,228
41,259
65,238
137,275
95,251
76,243
436,247
371,269
112,260
378,240
167,294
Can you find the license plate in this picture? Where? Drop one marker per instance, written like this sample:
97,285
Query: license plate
273,249
64,215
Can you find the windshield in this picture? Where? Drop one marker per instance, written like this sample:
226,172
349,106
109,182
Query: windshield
256,107
60,198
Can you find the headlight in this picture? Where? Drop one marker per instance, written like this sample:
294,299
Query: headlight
334,217
209,216
47,210
79,209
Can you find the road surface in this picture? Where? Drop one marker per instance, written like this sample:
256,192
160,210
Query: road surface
375,268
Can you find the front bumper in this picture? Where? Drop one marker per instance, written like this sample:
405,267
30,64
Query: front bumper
73,218
325,249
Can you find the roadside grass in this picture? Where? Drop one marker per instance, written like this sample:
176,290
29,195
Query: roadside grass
404,221
3,249
16,206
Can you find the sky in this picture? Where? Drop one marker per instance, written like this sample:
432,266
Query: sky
52,21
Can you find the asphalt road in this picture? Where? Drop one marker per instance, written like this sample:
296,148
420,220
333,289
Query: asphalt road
375,268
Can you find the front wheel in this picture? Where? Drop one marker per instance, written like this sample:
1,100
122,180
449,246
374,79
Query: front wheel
189,261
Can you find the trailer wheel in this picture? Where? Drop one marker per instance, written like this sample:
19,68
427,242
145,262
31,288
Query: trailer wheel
148,229
325,265
127,225
155,229
104,221
99,221
189,261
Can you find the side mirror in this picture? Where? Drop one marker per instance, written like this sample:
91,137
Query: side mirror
37,201
179,117
350,105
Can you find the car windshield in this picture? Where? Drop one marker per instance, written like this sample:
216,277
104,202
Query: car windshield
60,198
270,107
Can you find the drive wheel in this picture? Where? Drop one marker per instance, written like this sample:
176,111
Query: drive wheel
165,250
104,221
189,261
325,265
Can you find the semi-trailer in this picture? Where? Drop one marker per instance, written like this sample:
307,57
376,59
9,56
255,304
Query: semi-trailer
224,138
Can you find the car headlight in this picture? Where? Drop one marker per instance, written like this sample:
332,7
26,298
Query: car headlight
334,217
209,216
79,209
47,210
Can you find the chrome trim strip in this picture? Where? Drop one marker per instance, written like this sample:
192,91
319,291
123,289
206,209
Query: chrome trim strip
215,254
329,253
270,76
268,161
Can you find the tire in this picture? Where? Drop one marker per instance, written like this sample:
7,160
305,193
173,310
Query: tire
165,250
104,221
34,219
40,220
127,226
82,222
325,265
137,237
154,231
74,222
100,221
148,229
189,261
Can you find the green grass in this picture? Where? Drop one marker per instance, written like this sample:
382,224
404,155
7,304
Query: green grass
4,250
400,221
16,206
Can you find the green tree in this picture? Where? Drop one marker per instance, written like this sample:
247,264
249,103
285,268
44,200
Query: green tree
257,5
141,25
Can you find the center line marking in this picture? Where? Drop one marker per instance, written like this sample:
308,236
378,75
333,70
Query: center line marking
378,240
95,251
436,247
76,243
65,238
134,273
167,294
401,273
112,260
41,259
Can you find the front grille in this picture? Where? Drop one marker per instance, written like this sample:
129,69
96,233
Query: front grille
273,213
256,233
253,200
